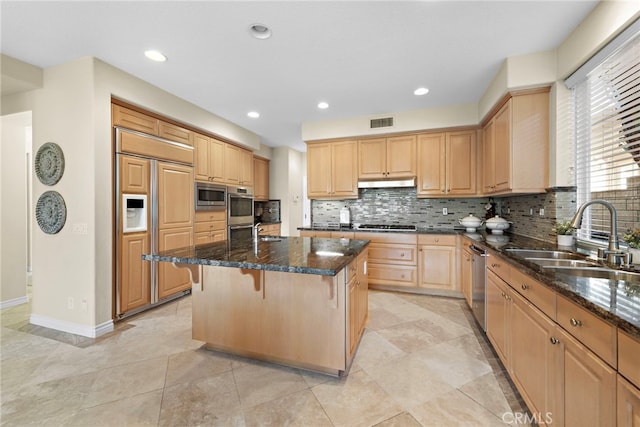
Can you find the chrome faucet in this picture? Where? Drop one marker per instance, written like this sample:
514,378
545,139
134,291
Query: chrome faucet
613,252
256,232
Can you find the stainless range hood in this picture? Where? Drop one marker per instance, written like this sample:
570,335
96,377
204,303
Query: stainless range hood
388,183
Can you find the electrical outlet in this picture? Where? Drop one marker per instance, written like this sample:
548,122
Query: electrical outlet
531,212
445,211
70,303
541,211
79,228
84,305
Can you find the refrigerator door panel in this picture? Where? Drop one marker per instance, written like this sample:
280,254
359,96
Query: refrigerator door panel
172,280
175,196
135,274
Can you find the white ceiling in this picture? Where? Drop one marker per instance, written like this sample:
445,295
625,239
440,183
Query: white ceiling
362,57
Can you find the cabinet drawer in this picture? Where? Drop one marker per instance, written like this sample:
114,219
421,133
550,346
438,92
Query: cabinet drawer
628,357
342,234
592,331
211,216
540,295
437,239
202,227
384,253
499,266
399,238
386,274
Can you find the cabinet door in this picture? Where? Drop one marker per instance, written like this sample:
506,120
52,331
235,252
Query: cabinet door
461,163
261,178
431,164
171,279
502,148
134,287
216,160
401,156
437,267
532,355
344,168
246,168
232,164
496,311
175,196
588,386
318,170
353,315
372,155
363,290
134,175
628,397
175,133
488,159
201,165
135,120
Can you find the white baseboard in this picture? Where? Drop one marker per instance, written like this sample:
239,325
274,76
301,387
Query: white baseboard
15,301
72,328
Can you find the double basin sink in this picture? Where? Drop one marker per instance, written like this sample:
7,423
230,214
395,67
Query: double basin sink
573,264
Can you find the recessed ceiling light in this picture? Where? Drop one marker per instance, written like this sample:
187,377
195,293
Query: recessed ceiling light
253,114
323,105
154,55
421,91
260,31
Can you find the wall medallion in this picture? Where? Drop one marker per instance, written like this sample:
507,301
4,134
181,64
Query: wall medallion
51,212
49,163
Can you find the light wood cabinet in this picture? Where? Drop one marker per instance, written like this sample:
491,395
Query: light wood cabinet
437,263
393,157
238,165
209,159
358,300
270,230
134,288
332,170
628,353
315,233
210,227
175,133
171,279
261,179
497,314
447,164
246,168
392,259
134,175
628,401
516,145
175,196
131,119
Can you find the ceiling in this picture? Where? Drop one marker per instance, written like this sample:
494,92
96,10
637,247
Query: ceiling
364,58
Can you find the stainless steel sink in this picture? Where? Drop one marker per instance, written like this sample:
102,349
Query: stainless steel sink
600,273
550,262
546,254
270,239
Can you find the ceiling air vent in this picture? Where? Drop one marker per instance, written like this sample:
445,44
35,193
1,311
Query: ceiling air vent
384,122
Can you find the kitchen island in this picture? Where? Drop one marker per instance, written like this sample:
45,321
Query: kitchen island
296,301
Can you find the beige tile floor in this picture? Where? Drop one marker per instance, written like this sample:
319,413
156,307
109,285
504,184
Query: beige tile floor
421,362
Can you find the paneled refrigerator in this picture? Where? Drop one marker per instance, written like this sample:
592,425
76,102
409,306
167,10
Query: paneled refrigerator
154,212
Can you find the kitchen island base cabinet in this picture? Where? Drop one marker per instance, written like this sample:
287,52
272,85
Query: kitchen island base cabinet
294,319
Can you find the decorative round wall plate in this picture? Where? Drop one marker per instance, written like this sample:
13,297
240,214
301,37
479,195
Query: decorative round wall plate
49,163
51,212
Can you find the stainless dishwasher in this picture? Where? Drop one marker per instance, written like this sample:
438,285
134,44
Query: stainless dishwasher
478,285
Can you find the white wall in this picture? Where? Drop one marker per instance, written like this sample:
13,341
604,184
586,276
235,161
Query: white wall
286,170
13,208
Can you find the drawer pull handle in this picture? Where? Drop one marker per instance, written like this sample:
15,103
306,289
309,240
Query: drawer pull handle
495,265
575,322
554,341
402,255
436,240
524,286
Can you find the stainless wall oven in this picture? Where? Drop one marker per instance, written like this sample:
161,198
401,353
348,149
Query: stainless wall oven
210,196
239,212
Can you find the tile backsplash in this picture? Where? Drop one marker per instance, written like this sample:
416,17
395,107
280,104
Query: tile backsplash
400,206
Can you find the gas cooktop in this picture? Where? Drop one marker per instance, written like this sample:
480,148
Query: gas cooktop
386,227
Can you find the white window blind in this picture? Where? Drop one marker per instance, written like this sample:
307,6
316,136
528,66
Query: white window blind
606,106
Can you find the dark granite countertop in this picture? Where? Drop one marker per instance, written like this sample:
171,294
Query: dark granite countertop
308,255
616,301
419,230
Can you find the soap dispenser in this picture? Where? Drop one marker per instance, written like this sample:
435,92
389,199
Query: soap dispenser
345,217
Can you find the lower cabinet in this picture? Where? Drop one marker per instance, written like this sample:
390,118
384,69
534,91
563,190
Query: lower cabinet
392,259
172,280
210,227
628,411
134,272
358,300
563,381
270,230
437,262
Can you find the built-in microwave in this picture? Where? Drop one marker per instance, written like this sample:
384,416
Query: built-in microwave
210,196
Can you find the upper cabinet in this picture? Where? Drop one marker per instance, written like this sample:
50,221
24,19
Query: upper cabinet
332,169
515,153
209,163
135,120
447,164
393,157
260,178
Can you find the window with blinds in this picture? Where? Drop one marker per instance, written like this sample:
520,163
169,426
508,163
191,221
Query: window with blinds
606,105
